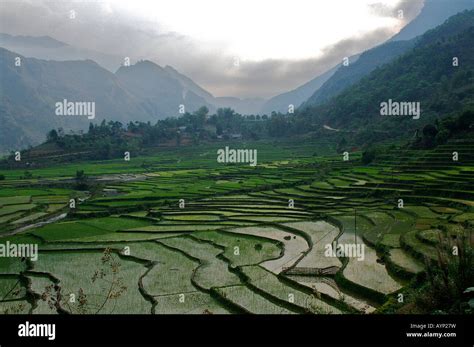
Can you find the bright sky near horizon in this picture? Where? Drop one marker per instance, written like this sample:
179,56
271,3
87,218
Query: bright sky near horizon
243,48
265,29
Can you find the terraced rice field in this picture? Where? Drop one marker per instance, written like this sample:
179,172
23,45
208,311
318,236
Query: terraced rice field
184,234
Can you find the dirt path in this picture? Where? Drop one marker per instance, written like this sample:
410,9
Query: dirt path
36,225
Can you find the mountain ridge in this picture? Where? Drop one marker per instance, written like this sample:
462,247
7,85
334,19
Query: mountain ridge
426,74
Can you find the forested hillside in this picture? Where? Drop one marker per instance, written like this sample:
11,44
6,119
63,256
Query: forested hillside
437,73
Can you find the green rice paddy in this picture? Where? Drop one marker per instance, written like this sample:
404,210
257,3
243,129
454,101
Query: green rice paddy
189,235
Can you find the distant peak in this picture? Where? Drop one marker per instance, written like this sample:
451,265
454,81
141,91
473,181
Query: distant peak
143,66
146,62
42,41
170,68
50,39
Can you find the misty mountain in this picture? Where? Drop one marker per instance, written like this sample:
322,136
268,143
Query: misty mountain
242,106
144,91
368,61
296,96
334,81
30,41
189,85
158,90
434,13
48,48
29,92
426,74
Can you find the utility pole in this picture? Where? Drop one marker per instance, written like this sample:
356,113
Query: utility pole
355,225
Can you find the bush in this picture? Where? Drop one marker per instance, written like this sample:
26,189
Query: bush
368,156
465,120
2,177
429,131
81,180
80,176
442,137
342,145
448,279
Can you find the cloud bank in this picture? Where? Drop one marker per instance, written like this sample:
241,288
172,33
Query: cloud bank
112,28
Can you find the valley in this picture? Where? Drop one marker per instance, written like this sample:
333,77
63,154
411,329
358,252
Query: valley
333,178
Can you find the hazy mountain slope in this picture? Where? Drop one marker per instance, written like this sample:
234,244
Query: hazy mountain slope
425,74
368,61
47,48
242,106
296,96
28,94
189,84
158,91
143,92
434,13
162,90
31,41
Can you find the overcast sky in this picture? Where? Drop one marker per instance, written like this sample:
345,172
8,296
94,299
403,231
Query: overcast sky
244,48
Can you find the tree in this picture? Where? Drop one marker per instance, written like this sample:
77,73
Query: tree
429,130
342,145
448,123
368,156
178,138
52,135
442,137
81,180
202,111
429,134
465,120
219,129
80,175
